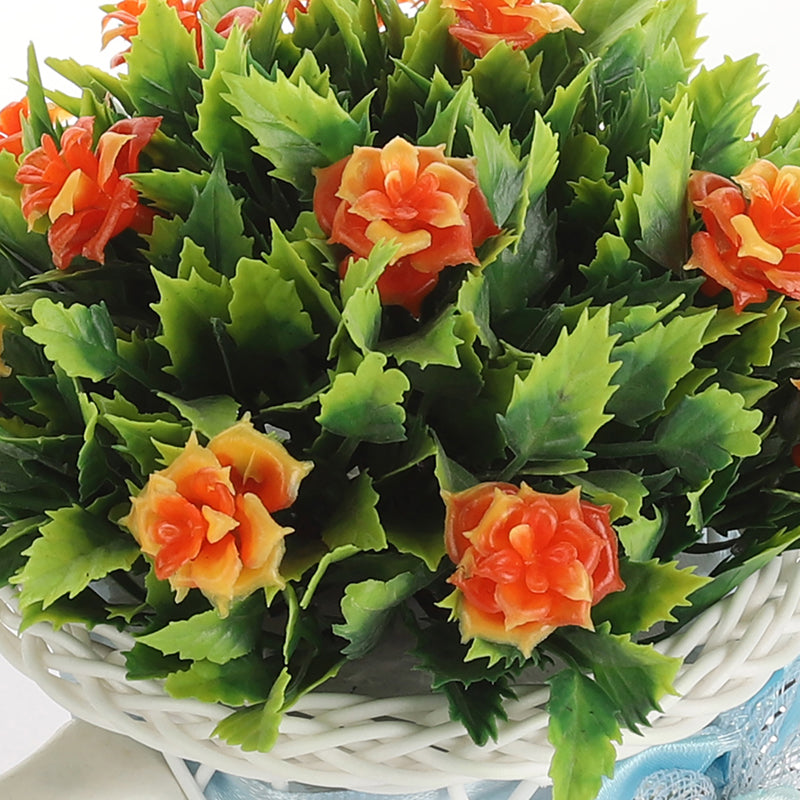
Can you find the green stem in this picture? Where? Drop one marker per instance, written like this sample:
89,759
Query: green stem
513,468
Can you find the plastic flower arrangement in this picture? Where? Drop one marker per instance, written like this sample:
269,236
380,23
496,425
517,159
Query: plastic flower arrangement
322,318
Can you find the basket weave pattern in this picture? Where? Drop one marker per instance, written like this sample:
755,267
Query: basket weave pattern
407,743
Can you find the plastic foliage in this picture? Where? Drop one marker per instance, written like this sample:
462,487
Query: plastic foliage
350,272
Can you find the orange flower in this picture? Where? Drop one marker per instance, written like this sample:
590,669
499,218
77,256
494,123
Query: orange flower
206,520
751,241
520,23
127,13
527,562
427,203
83,190
244,16
11,126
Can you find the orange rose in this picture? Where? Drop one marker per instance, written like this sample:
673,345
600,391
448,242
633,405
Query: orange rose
83,189
751,241
427,203
127,13
483,23
11,126
527,562
206,520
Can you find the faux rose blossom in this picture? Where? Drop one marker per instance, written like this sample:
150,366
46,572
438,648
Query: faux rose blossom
481,24
206,520
11,126
751,241
127,13
427,203
527,562
83,189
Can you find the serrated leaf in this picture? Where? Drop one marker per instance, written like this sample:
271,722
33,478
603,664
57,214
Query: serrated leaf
662,201
80,340
366,404
369,606
209,636
640,537
92,464
582,726
558,407
238,682
634,676
295,128
186,308
652,363
653,590
478,707
208,415
174,192
215,223
140,438
624,491
217,132
267,318
145,663
74,549
355,521
256,727
434,343
705,432
161,68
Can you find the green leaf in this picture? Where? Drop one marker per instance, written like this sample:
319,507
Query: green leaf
256,727
209,636
238,682
435,343
624,491
558,407
266,313
80,340
478,707
295,128
582,726
634,676
38,123
653,363
604,21
174,192
92,465
652,592
640,537
215,223
207,415
370,606
217,132
75,548
186,309
139,438
566,100
705,432
367,404
355,521
662,201
161,68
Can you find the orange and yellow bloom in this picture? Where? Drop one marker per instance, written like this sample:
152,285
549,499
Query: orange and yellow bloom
206,520
527,562
11,126
751,241
83,189
427,203
481,24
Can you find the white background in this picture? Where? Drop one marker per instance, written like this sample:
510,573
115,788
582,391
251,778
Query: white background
71,29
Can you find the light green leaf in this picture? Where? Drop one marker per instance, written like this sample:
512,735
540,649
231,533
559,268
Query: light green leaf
653,590
256,727
75,548
296,129
79,339
622,490
662,201
355,521
140,438
173,192
705,432
370,606
267,315
209,636
634,676
582,726
208,415
238,682
653,363
558,407
640,537
366,404
434,343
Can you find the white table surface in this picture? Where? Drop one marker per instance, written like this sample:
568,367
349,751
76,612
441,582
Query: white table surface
71,28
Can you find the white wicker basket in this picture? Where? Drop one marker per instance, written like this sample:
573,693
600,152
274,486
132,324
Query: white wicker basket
408,743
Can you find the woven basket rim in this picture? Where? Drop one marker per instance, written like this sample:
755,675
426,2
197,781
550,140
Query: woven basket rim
408,743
